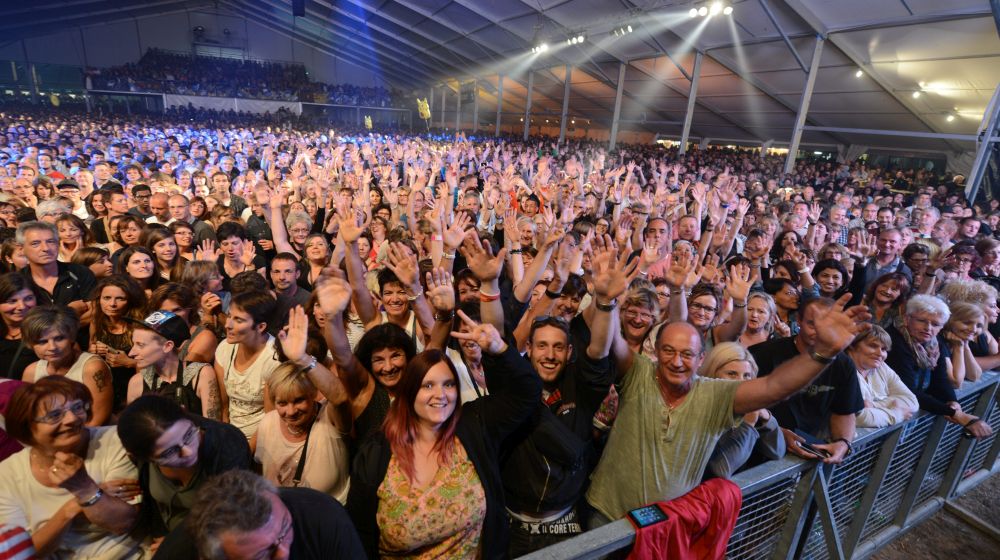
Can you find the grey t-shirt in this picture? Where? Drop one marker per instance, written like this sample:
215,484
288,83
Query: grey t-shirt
654,452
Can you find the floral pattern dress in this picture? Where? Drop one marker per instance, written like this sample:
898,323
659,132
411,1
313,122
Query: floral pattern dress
443,520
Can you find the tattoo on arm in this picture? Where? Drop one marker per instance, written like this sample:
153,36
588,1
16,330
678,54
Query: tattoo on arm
213,402
100,379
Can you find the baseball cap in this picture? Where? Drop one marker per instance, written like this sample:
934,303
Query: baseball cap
166,324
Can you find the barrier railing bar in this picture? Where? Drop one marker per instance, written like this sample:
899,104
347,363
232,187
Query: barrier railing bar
795,523
824,508
786,536
885,536
881,469
954,473
913,488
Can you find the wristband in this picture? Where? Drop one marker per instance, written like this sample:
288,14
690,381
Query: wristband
821,358
679,292
739,305
850,448
312,364
514,252
445,317
447,255
607,308
437,238
93,499
415,296
552,295
486,298
803,270
641,273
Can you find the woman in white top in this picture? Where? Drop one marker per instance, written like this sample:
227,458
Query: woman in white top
301,442
887,399
244,361
51,333
69,484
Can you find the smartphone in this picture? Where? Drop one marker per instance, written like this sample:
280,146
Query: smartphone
646,516
808,448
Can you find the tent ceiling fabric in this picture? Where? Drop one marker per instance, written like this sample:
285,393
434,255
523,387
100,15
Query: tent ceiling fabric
750,84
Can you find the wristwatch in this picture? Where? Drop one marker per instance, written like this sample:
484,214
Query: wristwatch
850,448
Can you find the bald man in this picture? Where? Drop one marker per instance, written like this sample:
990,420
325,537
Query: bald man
669,418
159,209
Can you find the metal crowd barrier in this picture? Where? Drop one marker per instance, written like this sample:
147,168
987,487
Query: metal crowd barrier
896,478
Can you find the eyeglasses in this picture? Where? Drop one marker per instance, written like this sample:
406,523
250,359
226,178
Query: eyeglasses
669,353
54,416
271,550
702,307
173,451
635,314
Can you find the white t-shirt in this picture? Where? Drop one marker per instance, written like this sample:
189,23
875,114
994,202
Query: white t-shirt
466,384
327,467
245,389
26,503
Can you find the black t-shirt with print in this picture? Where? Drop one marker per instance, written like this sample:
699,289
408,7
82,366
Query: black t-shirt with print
835,391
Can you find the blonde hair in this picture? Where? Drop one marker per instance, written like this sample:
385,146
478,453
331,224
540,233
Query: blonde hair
962,311
975,292
726,353
289,379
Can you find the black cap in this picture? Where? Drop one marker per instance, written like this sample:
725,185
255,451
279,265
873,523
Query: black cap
166,324
68,184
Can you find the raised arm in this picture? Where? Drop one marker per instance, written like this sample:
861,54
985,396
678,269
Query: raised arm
611,278
270,202
293,340
835,331
487,268
738,289
403,263
441,295
333,294
350,232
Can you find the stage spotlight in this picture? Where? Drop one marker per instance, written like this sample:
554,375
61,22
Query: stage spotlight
950,118
916,94
858,74
693,12
728,10
580,38
628,28
703,11
543,47
715,8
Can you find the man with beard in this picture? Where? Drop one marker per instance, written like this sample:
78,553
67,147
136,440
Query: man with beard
546,463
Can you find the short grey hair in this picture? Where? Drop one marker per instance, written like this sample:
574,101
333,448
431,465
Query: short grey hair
235,500
931,305
34,225
298,218
51,207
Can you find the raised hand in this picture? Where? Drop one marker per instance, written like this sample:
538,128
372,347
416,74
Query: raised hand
837,328
867,245
815,211
350,228
294,336
403,263
207,251
684,273
249,254
610,275
454,234
440,290
484,335
479,256
738,286
333,293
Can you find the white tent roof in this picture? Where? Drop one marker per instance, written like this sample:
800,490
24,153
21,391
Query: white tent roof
751,82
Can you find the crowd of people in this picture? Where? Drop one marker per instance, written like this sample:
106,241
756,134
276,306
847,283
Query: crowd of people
187,74
260,341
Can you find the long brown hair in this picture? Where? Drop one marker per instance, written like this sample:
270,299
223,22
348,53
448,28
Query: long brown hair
134,296
401,421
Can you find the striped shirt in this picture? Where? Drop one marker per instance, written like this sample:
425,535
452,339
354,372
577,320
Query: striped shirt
15,543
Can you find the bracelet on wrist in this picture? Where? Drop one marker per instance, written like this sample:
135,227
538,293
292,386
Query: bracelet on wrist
803,270
310,365
445,317
739,305
552,295
93,499
514,252
850,448
606,307
643,273
447,255
415,296
486,298
821,358
437,238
